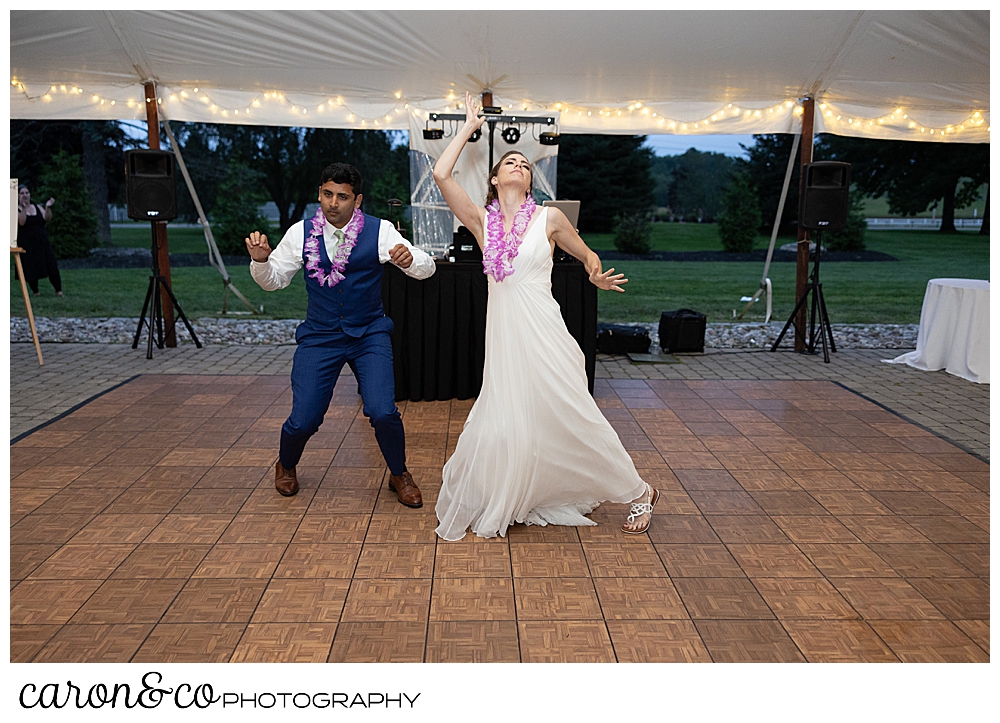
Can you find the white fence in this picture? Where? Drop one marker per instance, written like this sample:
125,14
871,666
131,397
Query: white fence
930,224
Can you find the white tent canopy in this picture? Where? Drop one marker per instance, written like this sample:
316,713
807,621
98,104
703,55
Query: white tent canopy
910,75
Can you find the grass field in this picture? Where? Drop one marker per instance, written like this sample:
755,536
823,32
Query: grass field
855,292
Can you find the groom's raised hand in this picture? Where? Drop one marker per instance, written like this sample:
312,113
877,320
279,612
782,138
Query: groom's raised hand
258,247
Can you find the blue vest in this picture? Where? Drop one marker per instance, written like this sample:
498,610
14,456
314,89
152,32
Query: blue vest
354,305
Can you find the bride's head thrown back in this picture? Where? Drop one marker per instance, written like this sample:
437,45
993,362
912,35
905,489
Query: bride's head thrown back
512,168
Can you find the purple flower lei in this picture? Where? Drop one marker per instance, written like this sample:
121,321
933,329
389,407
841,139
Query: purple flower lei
501,248
314,266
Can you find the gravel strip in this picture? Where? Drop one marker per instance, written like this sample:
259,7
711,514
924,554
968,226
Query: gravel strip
282,331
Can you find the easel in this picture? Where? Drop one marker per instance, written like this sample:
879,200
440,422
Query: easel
17,250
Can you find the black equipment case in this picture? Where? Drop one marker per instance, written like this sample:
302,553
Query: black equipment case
620,339
682,331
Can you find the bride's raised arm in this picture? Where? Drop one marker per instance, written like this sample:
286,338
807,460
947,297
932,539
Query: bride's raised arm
469,213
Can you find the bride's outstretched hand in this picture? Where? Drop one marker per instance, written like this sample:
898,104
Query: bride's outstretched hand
472,107
609,280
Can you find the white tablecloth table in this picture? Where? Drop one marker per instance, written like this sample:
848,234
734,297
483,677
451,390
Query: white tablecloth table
954,330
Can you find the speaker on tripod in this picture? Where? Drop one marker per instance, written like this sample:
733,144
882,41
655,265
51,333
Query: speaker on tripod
823,204
150,188
151,195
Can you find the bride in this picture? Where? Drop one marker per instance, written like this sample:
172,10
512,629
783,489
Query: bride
535,447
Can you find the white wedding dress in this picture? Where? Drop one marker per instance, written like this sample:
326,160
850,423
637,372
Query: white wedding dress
535,447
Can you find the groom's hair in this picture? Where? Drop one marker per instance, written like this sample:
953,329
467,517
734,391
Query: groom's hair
342,173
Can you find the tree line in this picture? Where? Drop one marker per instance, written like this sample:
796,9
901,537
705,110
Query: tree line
616,178
621,184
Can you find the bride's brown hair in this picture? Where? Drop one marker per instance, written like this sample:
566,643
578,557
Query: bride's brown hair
491,190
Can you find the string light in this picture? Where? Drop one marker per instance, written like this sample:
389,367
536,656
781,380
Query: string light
730,115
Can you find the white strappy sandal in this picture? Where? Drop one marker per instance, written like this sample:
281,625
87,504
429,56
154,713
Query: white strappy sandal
641,508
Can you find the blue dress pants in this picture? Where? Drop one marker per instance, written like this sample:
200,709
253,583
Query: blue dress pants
315,369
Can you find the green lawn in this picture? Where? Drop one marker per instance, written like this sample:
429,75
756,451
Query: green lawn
855,292
869,292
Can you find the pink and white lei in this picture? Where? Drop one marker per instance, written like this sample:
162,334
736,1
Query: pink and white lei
501,248
338,262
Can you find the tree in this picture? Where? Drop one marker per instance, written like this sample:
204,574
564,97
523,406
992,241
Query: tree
766,164
740,221
100,144
913,175
73,228
291,160
609,175
662,170
632,233
237,211
699,183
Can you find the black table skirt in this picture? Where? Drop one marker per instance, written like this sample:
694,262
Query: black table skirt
439,340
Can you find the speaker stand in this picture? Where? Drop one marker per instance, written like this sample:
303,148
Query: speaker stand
824,332
152,303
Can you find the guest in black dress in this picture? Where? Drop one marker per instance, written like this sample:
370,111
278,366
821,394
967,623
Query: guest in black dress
39,258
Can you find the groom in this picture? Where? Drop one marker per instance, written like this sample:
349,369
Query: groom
342,250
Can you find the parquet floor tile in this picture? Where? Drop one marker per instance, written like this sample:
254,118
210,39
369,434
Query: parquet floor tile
722,598
379,642
27,640
812,598
639,598
570,641
797,521
556,598
215,601
395,560
696,560
845,559
748,641
772,560
25,558
548,559
302,601
471,598
94,644
88,562
244,561
657,641
394,600
49,602
472,641
880,598
923,641
285,643
128,601
461,559
190,643
318,560
838,641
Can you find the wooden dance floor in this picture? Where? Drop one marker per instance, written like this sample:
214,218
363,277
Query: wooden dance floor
797,522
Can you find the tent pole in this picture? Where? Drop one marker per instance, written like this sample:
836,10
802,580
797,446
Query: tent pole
162,249
802,259
213,249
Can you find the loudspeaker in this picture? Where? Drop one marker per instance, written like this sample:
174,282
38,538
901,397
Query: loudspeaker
149,185
823,196
682,331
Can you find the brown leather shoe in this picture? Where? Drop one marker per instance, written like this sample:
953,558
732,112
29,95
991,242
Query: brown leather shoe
285,480
406,489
